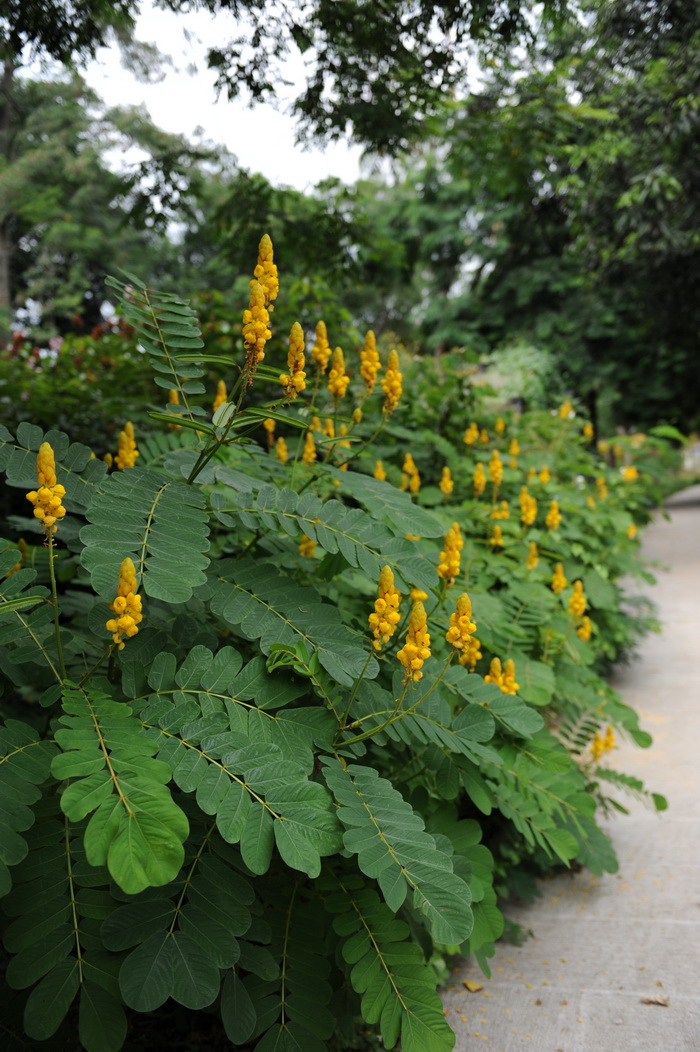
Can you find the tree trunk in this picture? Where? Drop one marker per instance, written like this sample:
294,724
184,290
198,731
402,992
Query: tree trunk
5,239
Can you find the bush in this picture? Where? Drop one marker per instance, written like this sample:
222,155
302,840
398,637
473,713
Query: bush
223,782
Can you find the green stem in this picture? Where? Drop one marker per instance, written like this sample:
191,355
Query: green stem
355,688
86,675
54,597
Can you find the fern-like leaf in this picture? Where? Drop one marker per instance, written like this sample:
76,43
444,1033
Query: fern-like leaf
386,969
391,844
136,829
25,762
160,524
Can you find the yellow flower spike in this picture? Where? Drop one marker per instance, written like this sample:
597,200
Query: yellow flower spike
127,454
602,487
448,567
553,517
479,480
307,547
385,617
126,606
531,474
483,436
471,654
545,475
501,511
495,673
509,686
321,350
471,435
418,593
590,501
631,531
338,379
514,448
528,507
446,483
630,473
255,328
357,415
609,739
587,432
566,410
496,538
584,629
47,498
316,424
221,395
533,556
379,472
265,272
578,601
295,380
269,425
500,425
342,431
392,384
597,747
495,469
309,454
416,650
281,450
369,362
462,628
559,581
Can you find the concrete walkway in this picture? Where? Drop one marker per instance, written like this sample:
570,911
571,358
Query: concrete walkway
600,946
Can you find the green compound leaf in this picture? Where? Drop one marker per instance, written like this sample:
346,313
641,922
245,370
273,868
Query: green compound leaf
386,968
101,1019
392,846
160,524
271,607
384,501
136,829
363,542
76,468
25,762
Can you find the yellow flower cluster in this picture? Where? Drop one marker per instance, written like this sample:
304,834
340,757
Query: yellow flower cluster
483,436
513,452
338,379
501,511
587,431
462,628
281,450
553,517
255,325
503,677
126,606
471,434
47,498
221,395
630,473
416,649
559,581
600,745
448,567
269,425
385,618
392,383
528,507
479,479
584,629
566,410
578,602
446,483
379,472
308,455
266,271
496,538
495,469
500,425
602,487
321,350
410,478
295,380
127,454
307,547
369,361
631,531
545,475
533,556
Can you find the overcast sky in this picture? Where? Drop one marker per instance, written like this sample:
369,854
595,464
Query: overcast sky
261,138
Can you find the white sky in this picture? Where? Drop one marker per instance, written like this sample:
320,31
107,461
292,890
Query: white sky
262,139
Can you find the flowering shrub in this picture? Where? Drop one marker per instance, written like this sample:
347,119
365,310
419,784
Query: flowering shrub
257,778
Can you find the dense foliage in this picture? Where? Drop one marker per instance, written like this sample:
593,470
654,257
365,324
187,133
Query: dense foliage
237,776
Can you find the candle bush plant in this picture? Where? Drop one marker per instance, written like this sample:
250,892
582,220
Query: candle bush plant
279,730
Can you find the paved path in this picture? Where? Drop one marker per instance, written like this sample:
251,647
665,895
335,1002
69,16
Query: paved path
599,946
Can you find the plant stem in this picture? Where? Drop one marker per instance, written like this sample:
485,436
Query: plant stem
54,597
355,688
